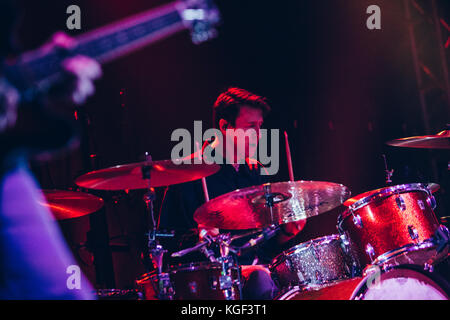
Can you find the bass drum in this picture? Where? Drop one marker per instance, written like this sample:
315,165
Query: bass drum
399,283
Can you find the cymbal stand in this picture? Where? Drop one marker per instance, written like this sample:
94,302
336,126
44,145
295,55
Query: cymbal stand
226,261
155,250
269,197
388,172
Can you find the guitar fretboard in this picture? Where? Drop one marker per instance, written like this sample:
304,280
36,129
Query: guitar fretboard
104,44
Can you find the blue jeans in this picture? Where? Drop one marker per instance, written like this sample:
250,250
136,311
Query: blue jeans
258,284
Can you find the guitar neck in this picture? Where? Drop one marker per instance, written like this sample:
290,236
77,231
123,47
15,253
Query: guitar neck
36,71
118,39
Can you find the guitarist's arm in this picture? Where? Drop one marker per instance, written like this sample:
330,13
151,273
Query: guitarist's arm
74,88
34,259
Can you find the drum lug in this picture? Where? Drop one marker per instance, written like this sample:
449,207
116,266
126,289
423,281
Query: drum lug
400,203
192,287
428,267
431,202
413,233
421,204
357,221
370,251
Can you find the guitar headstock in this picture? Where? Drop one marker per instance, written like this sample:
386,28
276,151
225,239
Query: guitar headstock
201,17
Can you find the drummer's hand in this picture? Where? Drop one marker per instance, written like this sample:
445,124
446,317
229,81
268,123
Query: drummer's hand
203,231
290,230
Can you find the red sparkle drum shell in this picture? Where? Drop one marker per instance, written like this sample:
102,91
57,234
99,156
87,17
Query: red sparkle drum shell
201,281
384,222
399,283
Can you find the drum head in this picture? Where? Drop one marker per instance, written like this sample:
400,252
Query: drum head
402,283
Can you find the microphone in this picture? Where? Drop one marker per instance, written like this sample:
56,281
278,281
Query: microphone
189,250
199,246
264,236
204,235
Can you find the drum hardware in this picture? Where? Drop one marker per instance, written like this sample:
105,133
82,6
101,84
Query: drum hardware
370,251
265,235
147,175
400,203
357,220
413,234
442,238
389,173
226,281
118,294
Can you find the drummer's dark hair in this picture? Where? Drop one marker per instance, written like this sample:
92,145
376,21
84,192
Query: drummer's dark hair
229,102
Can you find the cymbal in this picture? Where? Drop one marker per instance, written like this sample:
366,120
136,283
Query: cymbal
70,204
292,201
440,140
129,176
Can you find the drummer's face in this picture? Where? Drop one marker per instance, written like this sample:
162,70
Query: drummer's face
250,120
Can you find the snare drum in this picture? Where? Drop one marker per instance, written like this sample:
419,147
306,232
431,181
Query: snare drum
317,262
387,222
204,281
399,283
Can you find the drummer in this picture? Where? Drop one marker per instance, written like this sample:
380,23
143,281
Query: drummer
235,108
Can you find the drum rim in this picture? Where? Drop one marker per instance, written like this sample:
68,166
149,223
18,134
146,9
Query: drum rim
300,247
441,282
387,192
411,247
195,266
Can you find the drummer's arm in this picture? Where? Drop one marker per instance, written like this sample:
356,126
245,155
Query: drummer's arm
289,230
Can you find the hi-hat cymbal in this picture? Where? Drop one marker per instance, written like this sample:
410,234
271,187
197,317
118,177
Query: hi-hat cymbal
129,176
437,141
70,204
292,201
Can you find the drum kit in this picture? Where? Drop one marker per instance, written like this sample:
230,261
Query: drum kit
386,245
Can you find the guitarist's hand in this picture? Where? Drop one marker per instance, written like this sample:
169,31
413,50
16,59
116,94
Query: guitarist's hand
8,105
75,87
79,73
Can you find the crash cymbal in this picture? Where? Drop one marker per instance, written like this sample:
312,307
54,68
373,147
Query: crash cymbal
292,201
70,204
129,176
437,141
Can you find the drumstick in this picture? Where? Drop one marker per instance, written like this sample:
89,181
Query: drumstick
289,159
204,186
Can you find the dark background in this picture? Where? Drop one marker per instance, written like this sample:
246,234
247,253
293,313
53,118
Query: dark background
339,90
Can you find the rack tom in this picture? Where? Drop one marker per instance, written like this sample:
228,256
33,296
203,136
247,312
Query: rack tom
388,222
314,263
